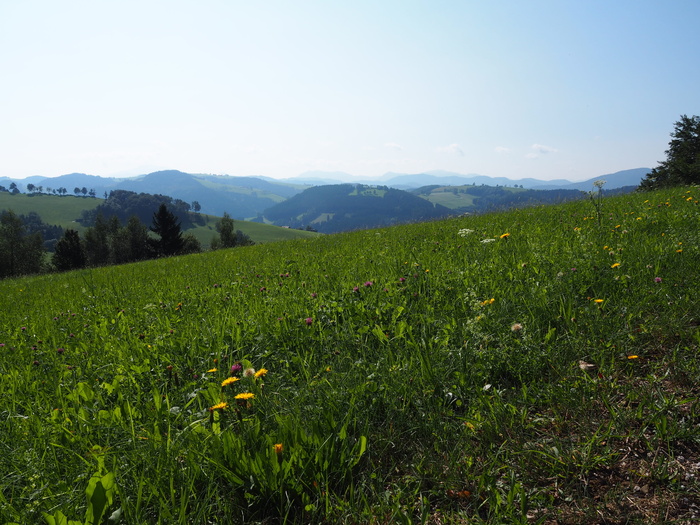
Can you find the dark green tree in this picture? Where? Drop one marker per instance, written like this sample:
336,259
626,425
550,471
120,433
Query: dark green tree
190,244
69,253
20,253
97,245
226,231
139,249
167,227
682,164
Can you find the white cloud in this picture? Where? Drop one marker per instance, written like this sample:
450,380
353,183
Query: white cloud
541,148
452,148
501,149
394,146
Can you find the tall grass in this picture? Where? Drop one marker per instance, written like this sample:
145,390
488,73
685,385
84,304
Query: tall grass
518,367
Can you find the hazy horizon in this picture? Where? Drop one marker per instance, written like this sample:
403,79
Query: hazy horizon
544,89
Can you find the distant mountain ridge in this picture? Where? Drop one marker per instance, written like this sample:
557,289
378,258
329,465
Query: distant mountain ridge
249,197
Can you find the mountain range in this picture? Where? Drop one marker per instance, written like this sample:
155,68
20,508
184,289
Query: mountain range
249,197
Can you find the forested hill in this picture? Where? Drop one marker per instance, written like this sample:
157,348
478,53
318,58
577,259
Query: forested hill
343,207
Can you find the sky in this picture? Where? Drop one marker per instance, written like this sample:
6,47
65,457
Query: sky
547,89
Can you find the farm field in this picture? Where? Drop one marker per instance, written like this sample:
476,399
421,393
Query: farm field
533,366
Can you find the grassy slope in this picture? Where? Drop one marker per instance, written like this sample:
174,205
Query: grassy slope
260,233
424,373
446,197
52,209
63,210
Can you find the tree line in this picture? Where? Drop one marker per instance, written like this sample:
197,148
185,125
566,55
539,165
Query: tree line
108,241
33,189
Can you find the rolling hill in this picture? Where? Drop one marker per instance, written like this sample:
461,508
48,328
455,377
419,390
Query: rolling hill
66,211
343,207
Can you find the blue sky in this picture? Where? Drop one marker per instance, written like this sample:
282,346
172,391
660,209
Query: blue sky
545,89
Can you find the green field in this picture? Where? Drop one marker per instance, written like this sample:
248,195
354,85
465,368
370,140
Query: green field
456,197
64,210
52,209
534,366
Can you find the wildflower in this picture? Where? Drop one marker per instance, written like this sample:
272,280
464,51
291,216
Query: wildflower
245,395
486,241
632,357
309,321
60,350
236,368
229,380
657,279
504,236
679,251
368,284
249,372
615,265
212,370
260,373
218,406
516,327
488,301
598,301
402,279
464,232
279,448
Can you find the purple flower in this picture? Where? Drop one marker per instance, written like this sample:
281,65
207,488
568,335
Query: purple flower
657,279
236,368
368,283
309,320
355,289
314,295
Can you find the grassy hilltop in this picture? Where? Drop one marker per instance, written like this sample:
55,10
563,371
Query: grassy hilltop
533,366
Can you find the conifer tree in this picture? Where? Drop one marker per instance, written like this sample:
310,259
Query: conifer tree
682,164
167,227
69,253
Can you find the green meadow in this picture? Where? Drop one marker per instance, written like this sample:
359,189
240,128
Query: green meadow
533,366
63,210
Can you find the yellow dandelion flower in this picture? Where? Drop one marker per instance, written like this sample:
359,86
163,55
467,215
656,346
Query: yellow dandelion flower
615,265
279,448
632,357
505,235
218,406
260,372
212,370
245,395
229,380
598,301
679,251
488,301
